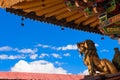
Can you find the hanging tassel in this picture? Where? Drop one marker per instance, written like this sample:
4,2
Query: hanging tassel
22,24
22,18
102,38
62,28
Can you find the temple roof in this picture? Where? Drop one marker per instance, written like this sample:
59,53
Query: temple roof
37,76
45,76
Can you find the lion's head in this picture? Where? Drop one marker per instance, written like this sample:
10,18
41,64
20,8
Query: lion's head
88,44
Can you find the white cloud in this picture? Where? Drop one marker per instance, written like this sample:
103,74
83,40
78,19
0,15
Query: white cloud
5,48
67,47
25,50
66,54
104,50
43,46
96,44
58,63
15,49
85,72
33,56
32,51
4,56
55,55
40,66
43,55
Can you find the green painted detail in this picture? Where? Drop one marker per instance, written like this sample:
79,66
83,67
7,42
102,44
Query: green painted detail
69,4
112,30
103,19
88,11
111,6
112,20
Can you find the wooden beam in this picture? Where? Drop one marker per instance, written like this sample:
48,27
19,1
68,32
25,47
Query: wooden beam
33,3
81,19
90,20
74,17
26,4
42,6
65,15
94,24
55,13
49,10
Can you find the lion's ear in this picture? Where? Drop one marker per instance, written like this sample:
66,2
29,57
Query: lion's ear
85,44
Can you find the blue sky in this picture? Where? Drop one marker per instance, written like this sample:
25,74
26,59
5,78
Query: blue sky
45,48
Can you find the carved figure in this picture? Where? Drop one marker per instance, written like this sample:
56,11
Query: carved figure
92,60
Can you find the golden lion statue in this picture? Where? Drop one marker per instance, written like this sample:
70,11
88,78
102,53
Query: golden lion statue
92,60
